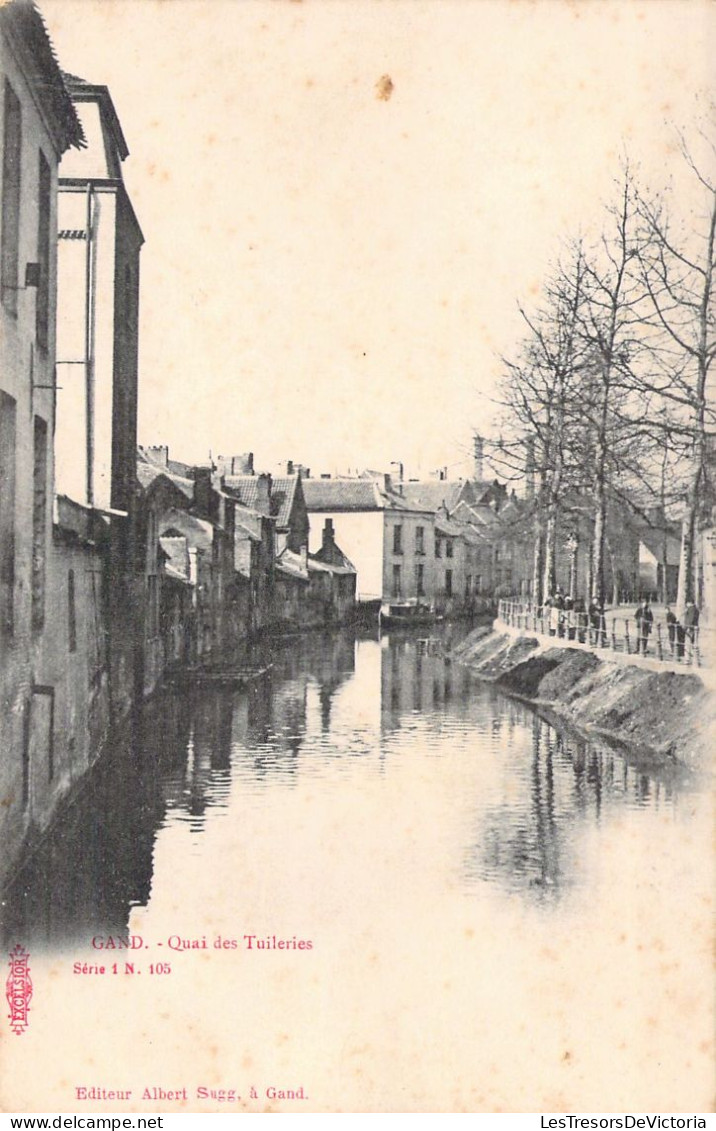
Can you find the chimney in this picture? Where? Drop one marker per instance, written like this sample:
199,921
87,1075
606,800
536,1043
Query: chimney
263,501
303,554
401,469
328,535
159,453
203,490
289,467
242,464
529,468
477,457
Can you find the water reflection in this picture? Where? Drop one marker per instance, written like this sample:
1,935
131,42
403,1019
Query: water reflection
528,840
334,718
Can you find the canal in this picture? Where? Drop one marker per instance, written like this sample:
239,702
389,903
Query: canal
500,913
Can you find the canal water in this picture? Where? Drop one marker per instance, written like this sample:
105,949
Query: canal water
500,914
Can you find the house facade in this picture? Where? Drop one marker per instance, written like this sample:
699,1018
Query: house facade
356,508
39,125
99,243
429,541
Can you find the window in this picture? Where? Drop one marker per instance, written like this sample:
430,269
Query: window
71,611
419,539
468,585
7,514
39,521
11,161
438,546
42,305
420,580
448,547
448,583
397,539
396,580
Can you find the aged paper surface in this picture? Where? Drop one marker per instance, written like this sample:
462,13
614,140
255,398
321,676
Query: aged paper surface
337,295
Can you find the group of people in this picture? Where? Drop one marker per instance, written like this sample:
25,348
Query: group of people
679,631
569,617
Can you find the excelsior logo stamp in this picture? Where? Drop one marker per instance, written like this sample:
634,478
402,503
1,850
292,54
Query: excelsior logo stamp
18,989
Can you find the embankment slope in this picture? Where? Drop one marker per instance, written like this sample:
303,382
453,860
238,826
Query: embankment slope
664,715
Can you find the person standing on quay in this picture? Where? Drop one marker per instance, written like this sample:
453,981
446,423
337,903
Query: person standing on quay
691,623
671,627
644,621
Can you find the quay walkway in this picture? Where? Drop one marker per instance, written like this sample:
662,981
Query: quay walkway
613,631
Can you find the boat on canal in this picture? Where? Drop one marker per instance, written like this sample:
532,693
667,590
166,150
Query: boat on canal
405,614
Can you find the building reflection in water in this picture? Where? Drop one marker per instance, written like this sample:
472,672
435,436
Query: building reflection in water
329,707
97,862
416,677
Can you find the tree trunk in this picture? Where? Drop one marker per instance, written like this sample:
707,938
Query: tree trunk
687,589
615,572
598,547
549,583
537,595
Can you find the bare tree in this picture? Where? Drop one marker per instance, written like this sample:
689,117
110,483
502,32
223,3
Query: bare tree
539,398
677,269
611,401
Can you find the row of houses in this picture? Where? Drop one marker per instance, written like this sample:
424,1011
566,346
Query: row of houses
226,557
453,544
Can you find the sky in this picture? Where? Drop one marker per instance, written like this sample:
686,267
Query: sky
331,275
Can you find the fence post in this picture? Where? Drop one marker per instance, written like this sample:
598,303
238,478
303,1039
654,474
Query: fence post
626,637
614,635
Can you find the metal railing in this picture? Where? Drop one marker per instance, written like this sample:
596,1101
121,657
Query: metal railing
674,643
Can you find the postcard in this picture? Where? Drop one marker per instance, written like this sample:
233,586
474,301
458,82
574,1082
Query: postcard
279,836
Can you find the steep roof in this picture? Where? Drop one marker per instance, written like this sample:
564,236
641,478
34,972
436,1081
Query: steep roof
315,565
290,563
286,490
480,516
484,489
245,488
283,493
197,531
148,471
250,520
342,495
22,23
334,557
431,494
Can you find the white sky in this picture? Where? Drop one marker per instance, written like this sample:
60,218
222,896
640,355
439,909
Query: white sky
328,276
